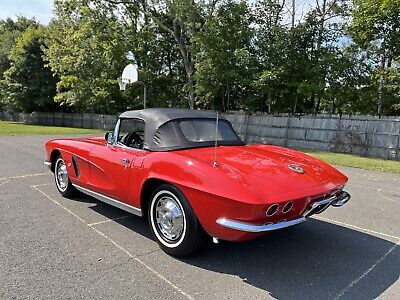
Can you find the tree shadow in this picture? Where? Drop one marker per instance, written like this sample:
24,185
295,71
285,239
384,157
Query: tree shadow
314,260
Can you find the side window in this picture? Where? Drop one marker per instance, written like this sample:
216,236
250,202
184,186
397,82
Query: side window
131,133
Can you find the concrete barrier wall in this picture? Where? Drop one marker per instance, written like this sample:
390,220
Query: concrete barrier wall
361,135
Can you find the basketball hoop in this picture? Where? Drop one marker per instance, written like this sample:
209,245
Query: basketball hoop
122,83
130,76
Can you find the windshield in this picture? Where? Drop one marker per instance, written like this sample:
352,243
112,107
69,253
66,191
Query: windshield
203,130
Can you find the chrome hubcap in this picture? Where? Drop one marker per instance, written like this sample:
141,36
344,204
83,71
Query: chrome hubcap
169,218
62,176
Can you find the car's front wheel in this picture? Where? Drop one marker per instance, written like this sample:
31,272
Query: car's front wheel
63,184
173,222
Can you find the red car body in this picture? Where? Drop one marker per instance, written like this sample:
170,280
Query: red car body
238,191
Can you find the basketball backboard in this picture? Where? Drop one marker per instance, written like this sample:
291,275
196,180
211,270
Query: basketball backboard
129,75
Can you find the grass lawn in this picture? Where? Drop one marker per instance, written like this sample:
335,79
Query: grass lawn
349,160
13,128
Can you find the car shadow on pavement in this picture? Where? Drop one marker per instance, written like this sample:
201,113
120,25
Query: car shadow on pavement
315,260
135,223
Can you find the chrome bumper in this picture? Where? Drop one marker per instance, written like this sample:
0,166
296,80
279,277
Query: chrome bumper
257,228
315,208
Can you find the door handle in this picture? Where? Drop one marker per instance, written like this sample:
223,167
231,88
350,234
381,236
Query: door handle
126,162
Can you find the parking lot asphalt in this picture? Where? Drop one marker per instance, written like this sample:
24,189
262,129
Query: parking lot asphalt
56,248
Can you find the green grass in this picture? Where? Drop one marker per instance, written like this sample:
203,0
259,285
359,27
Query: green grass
13,128
354,161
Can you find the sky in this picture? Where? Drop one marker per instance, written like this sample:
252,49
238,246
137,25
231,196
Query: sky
42,10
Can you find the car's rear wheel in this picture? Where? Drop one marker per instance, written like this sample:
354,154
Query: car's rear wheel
173,222
63,184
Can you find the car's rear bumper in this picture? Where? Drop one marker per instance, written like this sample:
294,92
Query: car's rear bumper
237,225
315,208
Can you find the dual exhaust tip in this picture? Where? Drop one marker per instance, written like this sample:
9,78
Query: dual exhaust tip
337,200
342,198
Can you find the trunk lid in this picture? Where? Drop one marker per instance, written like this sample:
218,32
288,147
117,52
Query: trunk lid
269,166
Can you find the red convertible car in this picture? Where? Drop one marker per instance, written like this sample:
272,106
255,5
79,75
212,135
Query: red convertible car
191,174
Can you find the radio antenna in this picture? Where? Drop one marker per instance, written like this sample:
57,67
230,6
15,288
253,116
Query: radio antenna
215,164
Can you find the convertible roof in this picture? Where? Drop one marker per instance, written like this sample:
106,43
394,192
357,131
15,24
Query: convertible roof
160,133
159,116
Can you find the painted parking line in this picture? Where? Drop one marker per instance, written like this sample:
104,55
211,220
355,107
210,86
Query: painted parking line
356,227
24,176
378,191
110,220
38,185
373,266
178,289
4,182
359,278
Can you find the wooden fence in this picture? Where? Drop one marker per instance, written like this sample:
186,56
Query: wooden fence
361,135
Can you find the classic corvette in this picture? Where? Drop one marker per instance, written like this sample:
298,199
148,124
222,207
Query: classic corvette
194,178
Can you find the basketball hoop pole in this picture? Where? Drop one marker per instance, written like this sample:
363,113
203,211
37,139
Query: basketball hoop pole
144,92
122,86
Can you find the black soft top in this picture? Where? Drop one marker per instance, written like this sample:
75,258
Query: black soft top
162,132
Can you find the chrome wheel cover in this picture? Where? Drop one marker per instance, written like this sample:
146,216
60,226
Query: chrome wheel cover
169,218
61,175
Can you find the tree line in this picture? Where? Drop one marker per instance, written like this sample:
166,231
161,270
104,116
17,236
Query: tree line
339,57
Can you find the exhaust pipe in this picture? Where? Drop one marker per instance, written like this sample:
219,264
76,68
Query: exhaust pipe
337,200
342,199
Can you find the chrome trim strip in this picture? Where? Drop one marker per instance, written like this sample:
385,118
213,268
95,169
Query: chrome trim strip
129,208
237,225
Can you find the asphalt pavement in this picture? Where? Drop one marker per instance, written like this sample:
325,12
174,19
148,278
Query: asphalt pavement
55,248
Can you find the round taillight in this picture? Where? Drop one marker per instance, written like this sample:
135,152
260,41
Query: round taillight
272,210
288,206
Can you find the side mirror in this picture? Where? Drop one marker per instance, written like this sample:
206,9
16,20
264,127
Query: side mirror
109,137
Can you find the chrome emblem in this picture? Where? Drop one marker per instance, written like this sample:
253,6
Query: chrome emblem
296,168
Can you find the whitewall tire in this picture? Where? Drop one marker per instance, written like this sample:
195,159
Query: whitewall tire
173,222
63,184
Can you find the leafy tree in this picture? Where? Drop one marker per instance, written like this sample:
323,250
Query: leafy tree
223,58
376,25
159,62
9,32
87,51
215,54
181,19
28,84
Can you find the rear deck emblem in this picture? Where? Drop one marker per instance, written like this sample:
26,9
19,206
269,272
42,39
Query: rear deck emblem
296,168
